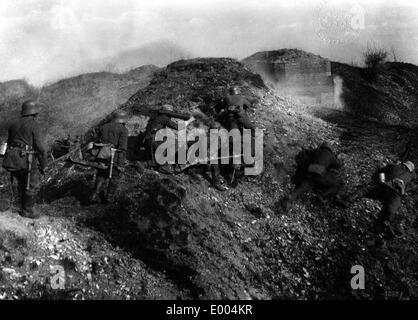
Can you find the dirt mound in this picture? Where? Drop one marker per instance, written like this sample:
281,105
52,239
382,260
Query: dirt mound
392,98
13,233
194,84
73,105
77,103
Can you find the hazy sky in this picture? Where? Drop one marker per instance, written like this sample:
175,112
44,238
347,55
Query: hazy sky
42,40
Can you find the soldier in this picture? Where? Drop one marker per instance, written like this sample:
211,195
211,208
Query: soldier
389,185
113,135
233,116
26,157
321,176
234,98
155,123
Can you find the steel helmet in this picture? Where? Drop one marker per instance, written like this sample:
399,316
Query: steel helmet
326,145
216,125
120,116
410,165
167,107
30,108
233,90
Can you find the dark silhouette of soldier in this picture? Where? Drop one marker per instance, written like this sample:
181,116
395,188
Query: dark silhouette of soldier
389,185
113,135
26,157
320,176
155,123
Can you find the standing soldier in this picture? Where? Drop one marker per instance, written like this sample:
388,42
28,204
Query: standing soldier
113,139
321,176
26,157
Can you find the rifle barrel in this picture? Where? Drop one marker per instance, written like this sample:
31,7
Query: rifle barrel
171,114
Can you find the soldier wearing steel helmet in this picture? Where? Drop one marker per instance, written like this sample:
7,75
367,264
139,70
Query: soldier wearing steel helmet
389,185
320,176
234,98
233,115
157,122
113,134
26,156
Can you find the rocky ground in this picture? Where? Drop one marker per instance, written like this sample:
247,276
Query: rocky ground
177,237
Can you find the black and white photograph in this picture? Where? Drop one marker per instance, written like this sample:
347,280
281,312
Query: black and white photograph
187,151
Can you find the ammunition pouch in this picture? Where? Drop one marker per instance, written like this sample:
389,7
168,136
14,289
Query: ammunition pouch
105,152
15,159
102,152
397,185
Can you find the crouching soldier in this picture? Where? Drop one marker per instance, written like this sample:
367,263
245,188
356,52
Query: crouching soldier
155,123
389,185
321,176
26,157
113,141
234,116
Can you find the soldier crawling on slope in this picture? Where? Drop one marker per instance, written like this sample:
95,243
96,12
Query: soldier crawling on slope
321,176
389,185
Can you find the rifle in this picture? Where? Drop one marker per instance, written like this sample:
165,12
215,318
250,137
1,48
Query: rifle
207,161
29,154
112,161
172,114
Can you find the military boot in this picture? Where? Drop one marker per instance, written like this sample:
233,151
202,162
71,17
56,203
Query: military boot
95,197
216,179
111,192
28,208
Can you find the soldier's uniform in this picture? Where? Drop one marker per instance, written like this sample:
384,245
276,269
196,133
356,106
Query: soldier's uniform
155,123
115,135
320,176
23,136
397,178
233,114
236,99
236,118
